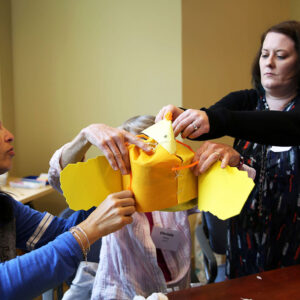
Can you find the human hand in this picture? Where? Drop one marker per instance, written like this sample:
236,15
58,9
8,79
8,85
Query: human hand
111,215
112,142
169,108
210,152
191,123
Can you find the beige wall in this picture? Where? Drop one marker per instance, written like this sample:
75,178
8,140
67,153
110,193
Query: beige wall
295,9
84,61
219,41
6,76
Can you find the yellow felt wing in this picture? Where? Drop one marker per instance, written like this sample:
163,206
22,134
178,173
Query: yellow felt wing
223,192
87,184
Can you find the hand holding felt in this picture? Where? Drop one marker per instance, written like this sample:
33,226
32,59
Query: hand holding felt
159,181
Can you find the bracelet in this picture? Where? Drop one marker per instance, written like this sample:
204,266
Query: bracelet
85,235
74,230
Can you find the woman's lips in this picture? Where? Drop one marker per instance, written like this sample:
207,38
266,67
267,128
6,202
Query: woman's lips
11,152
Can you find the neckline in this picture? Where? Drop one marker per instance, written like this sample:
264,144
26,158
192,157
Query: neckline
287,107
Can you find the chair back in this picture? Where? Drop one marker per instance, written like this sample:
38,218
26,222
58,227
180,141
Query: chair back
216,232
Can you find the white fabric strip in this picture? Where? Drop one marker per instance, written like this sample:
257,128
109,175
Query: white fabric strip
39,231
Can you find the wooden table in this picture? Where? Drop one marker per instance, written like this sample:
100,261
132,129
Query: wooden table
278,284
26,195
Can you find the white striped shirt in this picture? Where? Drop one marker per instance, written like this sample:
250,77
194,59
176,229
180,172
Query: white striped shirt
128,264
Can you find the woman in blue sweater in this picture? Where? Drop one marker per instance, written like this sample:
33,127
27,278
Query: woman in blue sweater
56,246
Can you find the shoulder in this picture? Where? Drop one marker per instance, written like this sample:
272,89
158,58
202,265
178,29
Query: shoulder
238,100
247,95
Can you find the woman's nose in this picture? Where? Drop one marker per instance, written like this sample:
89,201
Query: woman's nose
9,137
270,61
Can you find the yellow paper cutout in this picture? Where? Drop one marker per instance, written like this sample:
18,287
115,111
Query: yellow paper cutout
87,184
223,192
162,132
154,184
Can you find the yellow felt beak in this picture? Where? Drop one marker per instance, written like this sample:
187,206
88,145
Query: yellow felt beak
162,133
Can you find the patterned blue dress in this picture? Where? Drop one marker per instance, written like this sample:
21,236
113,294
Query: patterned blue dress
266,235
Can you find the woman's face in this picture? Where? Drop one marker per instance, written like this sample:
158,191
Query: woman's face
6,149
278,64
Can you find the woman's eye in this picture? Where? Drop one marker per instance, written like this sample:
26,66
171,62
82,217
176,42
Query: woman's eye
264,55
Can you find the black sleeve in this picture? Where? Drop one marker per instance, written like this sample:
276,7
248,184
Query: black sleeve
263,127
236,101
244,100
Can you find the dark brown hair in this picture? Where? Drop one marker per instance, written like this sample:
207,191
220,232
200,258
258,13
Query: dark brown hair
288,28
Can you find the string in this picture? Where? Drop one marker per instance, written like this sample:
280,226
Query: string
186,167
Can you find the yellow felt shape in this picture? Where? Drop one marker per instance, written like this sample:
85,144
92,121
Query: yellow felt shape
223,192
87,184
155,183
162,133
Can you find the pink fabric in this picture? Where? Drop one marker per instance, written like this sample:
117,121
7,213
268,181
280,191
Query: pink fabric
128,262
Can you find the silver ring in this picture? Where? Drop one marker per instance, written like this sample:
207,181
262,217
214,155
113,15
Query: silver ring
217,154
195,127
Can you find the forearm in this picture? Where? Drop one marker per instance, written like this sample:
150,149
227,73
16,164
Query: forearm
35,229
71,152
267,127
75,150
29,275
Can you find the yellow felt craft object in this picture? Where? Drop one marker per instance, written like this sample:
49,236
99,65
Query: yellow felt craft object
162,180
155,183
162,132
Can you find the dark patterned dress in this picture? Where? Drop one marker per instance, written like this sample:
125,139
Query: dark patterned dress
266,235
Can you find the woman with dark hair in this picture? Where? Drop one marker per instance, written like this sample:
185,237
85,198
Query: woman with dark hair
266,233
58,244
236,115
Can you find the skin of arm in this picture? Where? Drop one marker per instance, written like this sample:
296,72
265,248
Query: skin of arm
111,141
234,116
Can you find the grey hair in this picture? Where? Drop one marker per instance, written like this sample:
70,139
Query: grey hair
137,124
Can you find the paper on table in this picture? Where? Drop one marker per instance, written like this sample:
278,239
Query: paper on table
223,192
